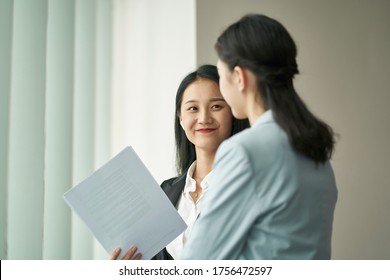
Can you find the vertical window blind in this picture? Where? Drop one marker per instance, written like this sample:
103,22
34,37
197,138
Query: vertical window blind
79,81
55,115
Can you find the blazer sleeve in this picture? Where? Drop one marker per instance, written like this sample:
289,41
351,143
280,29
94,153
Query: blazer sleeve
225,219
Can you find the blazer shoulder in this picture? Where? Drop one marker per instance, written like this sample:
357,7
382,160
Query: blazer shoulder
268,135
173,187
172,182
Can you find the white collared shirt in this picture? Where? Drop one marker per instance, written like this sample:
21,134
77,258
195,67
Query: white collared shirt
188,210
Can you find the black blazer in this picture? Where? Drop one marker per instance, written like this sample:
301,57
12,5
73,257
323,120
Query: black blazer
173,188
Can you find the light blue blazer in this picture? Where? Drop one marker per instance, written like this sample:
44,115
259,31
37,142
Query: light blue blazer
264,201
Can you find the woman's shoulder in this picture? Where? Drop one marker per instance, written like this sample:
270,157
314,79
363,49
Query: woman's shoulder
258,141
168,182
173,181
173,187
256,134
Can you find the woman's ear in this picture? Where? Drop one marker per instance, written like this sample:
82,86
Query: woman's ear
245,79
240,78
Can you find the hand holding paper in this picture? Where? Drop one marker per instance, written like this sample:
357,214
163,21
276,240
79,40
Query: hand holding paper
123,206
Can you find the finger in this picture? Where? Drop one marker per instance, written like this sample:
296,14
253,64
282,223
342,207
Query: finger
130,253
115,254
138,256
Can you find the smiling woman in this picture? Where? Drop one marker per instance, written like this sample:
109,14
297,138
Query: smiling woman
203,120
205,116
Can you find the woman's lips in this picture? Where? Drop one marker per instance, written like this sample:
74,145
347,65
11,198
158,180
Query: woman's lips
205,130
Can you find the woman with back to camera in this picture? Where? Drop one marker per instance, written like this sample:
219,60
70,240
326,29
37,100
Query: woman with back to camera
273,191
203,120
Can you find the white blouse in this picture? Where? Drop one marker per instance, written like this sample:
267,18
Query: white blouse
188,210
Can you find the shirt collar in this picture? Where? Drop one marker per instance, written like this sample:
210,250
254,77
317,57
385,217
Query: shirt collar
190,184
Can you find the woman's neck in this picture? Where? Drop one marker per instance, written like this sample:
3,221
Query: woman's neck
204,164
255,107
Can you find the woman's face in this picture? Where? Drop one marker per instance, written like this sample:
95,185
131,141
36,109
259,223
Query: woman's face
229,90
205,116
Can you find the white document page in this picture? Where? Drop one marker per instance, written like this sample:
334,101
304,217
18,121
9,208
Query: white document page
123,205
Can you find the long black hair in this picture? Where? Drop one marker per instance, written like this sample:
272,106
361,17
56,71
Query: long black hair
265,47
185,150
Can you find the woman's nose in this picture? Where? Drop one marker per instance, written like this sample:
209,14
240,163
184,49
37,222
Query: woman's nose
205,117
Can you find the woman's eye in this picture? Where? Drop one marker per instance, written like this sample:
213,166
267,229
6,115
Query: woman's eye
216,106
193,108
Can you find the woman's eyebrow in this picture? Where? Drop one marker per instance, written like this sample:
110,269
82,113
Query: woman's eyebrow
217,99
211,99
191,101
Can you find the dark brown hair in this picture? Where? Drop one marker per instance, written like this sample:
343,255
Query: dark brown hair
265,47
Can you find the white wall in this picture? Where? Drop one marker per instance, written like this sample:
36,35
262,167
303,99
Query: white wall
343,54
